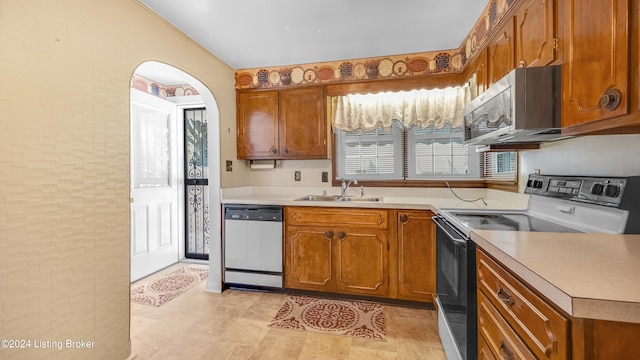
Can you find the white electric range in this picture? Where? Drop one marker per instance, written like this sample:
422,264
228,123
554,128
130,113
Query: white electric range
556,204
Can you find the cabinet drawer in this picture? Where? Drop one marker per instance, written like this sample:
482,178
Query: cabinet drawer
498,337
351,217
484,352
541,327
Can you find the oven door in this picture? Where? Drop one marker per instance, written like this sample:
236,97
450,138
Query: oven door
456,291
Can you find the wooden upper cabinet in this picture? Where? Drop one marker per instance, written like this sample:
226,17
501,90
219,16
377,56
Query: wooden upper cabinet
257,124
501,52
595,45
535,33
478,68
303,126
282,124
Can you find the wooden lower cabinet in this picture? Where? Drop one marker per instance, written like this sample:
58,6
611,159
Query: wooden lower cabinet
309,254
499,337
516,323
522,315
416,255
484,352
337,250
372,252
362,261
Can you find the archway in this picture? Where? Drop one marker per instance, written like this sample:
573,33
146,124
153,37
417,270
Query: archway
157,73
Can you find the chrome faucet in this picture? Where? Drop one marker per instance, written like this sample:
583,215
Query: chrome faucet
345,186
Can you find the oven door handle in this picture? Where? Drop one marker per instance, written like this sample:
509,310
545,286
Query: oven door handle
452,233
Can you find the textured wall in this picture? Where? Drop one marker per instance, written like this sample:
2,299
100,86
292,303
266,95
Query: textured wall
65,70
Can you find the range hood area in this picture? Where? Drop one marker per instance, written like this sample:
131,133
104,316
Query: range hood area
520,110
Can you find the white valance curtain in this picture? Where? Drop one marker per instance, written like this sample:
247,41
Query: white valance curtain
423,108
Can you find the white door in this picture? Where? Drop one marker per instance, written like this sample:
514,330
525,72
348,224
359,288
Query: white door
154,187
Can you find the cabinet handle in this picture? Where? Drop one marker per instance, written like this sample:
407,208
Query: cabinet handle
342,234
286,150
328,234
403,218
507,353
504,296
610,100
274,150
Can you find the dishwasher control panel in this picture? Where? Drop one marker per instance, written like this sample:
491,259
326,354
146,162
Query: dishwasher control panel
262,213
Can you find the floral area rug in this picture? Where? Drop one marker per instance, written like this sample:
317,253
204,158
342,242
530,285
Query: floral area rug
158,290
350,318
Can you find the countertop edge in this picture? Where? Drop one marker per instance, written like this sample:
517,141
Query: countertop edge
577,307
550,291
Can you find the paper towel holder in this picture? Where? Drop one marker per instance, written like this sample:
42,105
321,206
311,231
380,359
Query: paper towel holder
262,164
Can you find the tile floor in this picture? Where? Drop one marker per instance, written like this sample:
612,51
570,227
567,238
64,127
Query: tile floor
233,326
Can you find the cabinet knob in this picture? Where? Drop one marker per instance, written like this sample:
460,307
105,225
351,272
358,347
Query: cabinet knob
522,64
610,100
504,296
286,150
342,234
274,150
403,218
504,349
328,234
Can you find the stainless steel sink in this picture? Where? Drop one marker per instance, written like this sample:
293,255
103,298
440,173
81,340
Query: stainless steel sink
338,198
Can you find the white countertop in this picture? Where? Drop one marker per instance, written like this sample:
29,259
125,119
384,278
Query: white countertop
392,198
593,276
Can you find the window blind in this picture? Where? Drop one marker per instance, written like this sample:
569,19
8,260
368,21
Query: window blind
500,166
373,155
439,154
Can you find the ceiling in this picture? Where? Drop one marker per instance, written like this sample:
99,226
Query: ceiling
262,33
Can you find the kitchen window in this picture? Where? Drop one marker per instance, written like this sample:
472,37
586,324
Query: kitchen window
405,154
404,137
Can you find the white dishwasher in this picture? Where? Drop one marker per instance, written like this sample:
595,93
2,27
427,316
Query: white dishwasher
253,246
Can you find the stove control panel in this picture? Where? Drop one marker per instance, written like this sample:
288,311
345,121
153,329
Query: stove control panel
596,190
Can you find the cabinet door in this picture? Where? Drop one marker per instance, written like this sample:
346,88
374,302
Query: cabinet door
535,33
308,258
362,261
479,68
303,126
596,60
416,255
257,122
501,53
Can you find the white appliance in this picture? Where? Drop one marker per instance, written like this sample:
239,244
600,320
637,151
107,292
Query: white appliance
556,204
253,246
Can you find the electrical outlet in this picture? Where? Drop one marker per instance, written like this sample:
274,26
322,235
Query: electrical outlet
325,176
297,175
229,165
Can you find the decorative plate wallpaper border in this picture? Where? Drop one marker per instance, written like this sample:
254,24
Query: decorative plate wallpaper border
396,66
163,91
